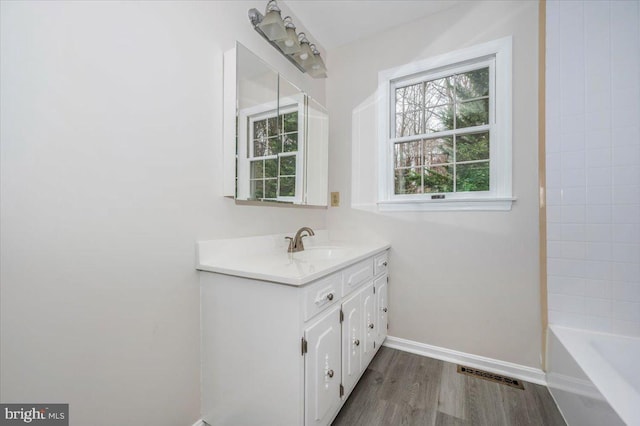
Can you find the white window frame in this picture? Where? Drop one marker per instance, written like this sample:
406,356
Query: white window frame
495,54
246,117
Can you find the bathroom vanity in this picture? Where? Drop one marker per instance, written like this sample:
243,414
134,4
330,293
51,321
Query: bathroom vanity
286,336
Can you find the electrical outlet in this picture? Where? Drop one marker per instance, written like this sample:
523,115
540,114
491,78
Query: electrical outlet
335,199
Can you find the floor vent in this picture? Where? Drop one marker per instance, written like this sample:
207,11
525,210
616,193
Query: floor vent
509,381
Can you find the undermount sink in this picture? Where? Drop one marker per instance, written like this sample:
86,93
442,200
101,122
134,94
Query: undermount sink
319,253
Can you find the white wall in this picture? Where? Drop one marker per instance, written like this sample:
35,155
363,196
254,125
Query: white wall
467,281
111,170
593,164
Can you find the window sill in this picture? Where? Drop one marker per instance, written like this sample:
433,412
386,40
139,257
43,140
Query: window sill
459,204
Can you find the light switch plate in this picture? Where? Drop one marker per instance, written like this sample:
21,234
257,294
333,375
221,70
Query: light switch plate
335,199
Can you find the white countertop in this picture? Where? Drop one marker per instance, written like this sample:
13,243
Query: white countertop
266,258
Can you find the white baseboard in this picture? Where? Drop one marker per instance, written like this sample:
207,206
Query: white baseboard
522,372
199,423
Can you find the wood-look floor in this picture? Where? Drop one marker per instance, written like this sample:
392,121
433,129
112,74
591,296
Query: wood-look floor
400,388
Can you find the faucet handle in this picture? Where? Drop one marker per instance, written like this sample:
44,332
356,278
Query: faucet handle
290,249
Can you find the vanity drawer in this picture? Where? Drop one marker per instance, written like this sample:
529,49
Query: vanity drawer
380,262
355,275
321,294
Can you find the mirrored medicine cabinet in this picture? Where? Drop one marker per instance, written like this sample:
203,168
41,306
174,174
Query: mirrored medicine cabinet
275,136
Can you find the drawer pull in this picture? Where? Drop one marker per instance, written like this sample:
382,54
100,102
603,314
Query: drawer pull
330,373
384,309
356,342
371,326
330,296
384,263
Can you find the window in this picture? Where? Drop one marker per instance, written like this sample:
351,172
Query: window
446,131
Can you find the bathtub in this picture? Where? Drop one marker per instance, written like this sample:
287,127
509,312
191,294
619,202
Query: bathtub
594,377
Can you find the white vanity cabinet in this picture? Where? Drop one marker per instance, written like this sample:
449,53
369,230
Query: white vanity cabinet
382,309
323,367
277,354
364,325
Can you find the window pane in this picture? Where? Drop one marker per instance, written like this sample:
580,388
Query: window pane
409,98
271,167
408,181
408,154
438,179
260,147
288,165
272,127
439,92
260,129
275,145
270,188
287,186
256,169
472,177
439,118
438,151
291,122
409,123
472,147
472,84
257,188
473,113
291,142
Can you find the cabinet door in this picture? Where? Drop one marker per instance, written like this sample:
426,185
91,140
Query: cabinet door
322,369
351,341
369,320
382,307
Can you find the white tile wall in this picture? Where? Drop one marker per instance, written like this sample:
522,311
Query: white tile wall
593,164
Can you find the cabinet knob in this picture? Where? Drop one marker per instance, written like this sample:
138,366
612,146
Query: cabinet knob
384,309
330,296
384,263
330,373
356,342
371,326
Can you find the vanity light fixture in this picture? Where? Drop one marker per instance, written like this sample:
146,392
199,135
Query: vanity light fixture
305,56
281,34
318,68
290,44
272,24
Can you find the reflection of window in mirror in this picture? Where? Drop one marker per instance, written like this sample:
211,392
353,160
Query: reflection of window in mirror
273,154
270,160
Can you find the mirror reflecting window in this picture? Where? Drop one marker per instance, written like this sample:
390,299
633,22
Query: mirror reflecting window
281,137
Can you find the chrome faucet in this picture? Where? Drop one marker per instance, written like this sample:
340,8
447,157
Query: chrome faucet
295,243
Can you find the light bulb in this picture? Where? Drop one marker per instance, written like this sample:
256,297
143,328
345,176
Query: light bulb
288,43
304,56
